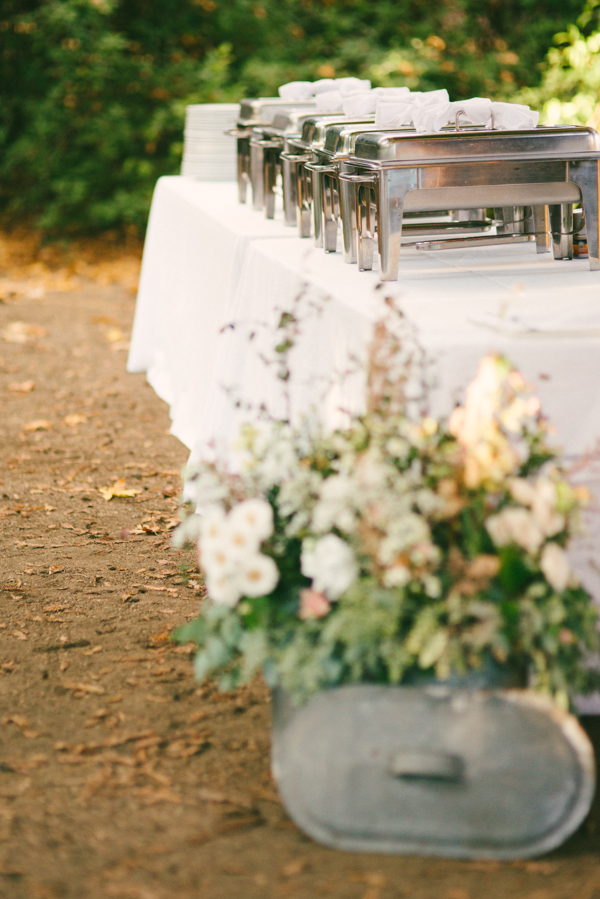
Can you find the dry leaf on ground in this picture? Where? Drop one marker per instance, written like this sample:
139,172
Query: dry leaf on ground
22,386
39,424
21,332
71,421
117,489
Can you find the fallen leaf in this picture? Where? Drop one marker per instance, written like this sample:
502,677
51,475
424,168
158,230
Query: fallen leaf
114,335
19,720
93,650
207,795
71,421
295,867
22,386
117,489
21,332
103,320
78,687
20,635
39,424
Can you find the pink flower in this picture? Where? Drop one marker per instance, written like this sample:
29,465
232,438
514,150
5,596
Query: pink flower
313,604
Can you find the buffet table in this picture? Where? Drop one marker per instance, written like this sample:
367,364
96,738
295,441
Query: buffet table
209,262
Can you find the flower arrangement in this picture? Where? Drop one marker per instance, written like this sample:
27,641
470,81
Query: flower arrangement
396,549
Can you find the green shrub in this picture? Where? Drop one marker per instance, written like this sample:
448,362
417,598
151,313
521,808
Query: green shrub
93,92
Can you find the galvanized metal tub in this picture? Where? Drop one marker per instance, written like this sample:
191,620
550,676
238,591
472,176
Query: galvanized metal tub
432,770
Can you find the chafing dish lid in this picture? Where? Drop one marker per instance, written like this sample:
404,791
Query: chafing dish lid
264,109
340,138
556,140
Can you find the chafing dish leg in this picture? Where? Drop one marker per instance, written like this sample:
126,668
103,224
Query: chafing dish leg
366,236
393,187
290,196
561,225
541,227
270,178
257,174
317,206
584,173
330,211
243,167
303,184
348,214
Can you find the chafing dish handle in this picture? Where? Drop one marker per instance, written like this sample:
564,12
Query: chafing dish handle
238,132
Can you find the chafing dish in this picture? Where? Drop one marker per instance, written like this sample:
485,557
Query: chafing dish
546,168
304,150
266,146
329,194
254,113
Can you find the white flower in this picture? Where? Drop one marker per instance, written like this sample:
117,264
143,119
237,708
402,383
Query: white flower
330,563
336,505
544,507
555,566
253,517
396,576
258,576
403,533
515,526
522,491
212,526
223,589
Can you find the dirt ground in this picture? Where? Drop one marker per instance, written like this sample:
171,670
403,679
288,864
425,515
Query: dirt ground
121,777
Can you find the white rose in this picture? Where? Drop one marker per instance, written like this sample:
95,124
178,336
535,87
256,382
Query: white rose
258,576
518,526
253,517
555,566
223,589
522,491
212,526
330,563
544,507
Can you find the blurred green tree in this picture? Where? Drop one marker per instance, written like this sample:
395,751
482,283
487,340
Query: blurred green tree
93,92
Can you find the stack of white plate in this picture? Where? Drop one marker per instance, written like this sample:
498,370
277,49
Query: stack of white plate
209,154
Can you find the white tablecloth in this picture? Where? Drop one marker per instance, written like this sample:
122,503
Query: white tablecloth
209,261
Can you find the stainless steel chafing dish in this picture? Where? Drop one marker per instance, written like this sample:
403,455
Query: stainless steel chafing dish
254,113
266,146
545,168
298,178
329,194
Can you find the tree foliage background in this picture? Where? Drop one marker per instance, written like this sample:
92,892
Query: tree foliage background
93,92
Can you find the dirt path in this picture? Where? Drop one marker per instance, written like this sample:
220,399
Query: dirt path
119,776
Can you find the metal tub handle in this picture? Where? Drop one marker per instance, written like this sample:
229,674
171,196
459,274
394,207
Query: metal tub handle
425,765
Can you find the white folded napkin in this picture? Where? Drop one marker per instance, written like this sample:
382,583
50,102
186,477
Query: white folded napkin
355,105
514,117
323,86
365,102
296,91
351,85
392,93
424,98
393,113
330,101
477,111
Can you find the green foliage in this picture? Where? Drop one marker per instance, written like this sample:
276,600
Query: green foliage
93,92
569,90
